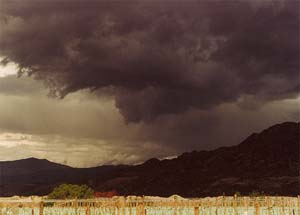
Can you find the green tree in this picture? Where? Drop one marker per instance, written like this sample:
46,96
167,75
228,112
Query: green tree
71,191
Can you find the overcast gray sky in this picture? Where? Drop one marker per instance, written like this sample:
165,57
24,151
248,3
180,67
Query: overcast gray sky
121,82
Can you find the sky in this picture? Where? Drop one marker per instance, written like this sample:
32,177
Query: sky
94,82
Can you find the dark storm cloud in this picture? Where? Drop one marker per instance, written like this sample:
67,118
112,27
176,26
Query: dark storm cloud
157,58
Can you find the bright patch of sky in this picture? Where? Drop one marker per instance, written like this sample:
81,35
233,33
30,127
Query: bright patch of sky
9,69
15,139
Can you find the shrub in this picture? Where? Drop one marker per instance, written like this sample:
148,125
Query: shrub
71,191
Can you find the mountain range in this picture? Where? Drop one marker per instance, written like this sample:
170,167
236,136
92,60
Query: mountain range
264,162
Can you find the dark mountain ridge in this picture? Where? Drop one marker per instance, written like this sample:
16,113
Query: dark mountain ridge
266,162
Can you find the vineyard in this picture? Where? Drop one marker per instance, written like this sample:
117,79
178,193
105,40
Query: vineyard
174,205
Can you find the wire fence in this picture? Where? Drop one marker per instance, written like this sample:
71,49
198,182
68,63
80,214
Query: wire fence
175,205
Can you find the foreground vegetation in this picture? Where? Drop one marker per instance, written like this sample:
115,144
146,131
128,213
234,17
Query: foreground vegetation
71,191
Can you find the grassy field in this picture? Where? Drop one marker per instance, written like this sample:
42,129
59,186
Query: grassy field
133,205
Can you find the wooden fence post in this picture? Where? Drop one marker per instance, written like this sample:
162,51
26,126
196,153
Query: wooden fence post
130,207
121,206
217,206
114,207
298,203
144,212
76,206
41,208
224,205
268,205
175,205
124,206
139,208
289,205
32,209
118,207
283,206
257,207
88,210
235,204
196,212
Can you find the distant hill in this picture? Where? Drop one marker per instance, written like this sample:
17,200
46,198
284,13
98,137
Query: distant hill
266,162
